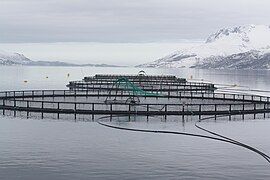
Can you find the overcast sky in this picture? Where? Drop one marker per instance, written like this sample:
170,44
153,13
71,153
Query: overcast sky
126,32
81,53
123,20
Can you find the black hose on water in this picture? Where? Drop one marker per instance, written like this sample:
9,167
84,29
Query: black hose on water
217,138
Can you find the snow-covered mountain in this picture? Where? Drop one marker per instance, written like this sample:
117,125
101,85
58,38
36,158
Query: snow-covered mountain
10,59
13,59
242,47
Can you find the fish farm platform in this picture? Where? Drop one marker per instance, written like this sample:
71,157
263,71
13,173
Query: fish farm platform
132,95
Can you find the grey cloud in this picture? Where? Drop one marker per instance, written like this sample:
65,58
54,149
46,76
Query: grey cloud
123,20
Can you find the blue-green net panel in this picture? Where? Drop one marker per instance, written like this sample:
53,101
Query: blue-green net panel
127,85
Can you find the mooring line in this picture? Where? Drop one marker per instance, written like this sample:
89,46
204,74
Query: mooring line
218,138
265,156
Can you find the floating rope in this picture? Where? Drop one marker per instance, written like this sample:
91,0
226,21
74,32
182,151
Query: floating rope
217,138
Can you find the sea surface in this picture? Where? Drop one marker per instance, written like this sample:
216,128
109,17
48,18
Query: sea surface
45,149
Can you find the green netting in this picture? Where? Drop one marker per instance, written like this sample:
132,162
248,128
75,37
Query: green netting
127,85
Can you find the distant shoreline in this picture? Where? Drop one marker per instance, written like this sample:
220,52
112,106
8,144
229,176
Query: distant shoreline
59,64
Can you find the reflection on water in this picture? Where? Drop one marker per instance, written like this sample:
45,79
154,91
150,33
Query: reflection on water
57,77
50,149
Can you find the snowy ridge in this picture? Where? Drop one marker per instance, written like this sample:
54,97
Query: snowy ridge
10,59
242,43
7,58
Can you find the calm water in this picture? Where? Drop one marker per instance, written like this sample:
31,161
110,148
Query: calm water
50,149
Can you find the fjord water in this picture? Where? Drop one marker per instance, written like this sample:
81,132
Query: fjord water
51,149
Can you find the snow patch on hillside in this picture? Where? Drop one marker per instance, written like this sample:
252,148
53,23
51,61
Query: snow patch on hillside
7,58
219,45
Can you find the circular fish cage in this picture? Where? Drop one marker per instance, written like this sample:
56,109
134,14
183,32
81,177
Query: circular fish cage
133,95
